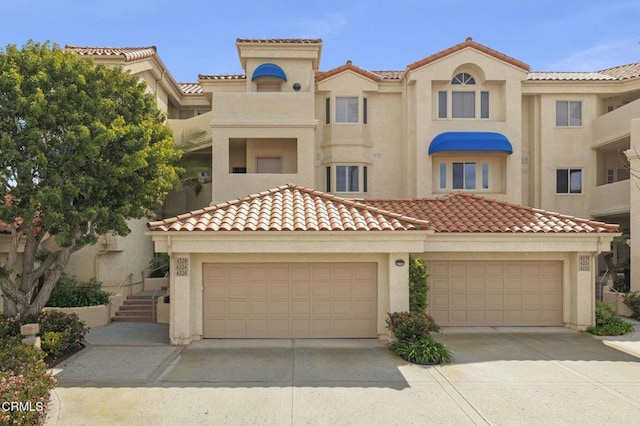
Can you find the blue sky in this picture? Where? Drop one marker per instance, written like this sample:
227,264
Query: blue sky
199,37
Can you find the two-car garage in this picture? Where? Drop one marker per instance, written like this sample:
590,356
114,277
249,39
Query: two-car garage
264,300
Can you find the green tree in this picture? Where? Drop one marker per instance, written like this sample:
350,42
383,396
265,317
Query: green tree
418,287
83,148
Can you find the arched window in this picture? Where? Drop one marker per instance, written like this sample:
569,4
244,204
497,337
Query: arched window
463,78
463,99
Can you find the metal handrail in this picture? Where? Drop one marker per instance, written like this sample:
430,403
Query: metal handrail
600,288
127,278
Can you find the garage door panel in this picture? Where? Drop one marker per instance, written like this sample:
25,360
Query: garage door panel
458,286
365,289
475,302
290,300
321,290
237,309
279,309
512,285
300,309
258,309
321,310
342,272
279,290
258,273
258,290
476,286
496,292
342,290
237,290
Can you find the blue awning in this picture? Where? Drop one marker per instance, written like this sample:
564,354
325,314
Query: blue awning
269,70
470,141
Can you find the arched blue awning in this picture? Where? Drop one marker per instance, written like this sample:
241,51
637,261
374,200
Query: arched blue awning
470,141
269,70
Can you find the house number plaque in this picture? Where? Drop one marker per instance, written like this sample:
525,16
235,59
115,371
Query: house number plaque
585,263
182,266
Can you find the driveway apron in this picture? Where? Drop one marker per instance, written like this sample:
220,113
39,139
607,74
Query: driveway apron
500,376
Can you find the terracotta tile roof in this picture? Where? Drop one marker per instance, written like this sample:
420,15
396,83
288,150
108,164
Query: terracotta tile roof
222,77
622,72
347,67
190,88
280,40
471,213
129,53
290,208
390,75
472,44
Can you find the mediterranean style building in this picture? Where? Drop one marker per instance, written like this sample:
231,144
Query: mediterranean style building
466,120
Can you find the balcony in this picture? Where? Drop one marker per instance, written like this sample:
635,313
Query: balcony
615,124
263,109
612,198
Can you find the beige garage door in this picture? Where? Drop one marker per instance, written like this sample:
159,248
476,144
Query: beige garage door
290,300
479,293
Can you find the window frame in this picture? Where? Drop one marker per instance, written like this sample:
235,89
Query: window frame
452,105
348,178
567,110
348,119
569,171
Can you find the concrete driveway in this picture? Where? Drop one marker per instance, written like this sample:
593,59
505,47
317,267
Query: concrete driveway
500,376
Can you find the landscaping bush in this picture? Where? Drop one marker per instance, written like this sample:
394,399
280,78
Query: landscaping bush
632,300
423,351
411,325
607,323
70,292
24,381
418,287
60,333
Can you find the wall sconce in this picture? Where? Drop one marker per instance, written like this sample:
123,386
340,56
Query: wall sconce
296,86
399,262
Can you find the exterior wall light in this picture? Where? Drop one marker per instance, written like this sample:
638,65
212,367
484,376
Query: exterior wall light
399,262
296,86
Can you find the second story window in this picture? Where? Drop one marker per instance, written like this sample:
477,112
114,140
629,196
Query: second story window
568,113
347,109
463,98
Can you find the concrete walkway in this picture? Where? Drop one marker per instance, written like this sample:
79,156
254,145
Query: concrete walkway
501,376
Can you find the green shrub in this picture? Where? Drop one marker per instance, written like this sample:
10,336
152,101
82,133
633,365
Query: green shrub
23,379
68,329
411,325
71,331
418,287
70,292
632,300
607,323
422,351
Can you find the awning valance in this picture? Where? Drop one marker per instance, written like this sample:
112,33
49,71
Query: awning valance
470,141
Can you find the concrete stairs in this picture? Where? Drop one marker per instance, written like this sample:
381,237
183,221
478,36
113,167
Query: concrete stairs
139,307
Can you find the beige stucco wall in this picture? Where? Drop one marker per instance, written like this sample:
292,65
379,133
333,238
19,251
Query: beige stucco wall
112,263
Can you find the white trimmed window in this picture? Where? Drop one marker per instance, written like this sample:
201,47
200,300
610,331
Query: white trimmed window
347,109
481,175
463,99
569,181
568,113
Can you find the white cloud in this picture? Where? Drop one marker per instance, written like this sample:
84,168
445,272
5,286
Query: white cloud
600,56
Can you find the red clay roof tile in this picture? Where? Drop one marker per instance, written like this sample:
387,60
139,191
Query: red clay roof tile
466,44
129,53
471,213
290,208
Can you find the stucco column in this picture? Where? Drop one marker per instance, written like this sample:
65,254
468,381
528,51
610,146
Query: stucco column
633,155
180,309
582,290
398,282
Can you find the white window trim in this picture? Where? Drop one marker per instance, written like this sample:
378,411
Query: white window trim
569,125
335,111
